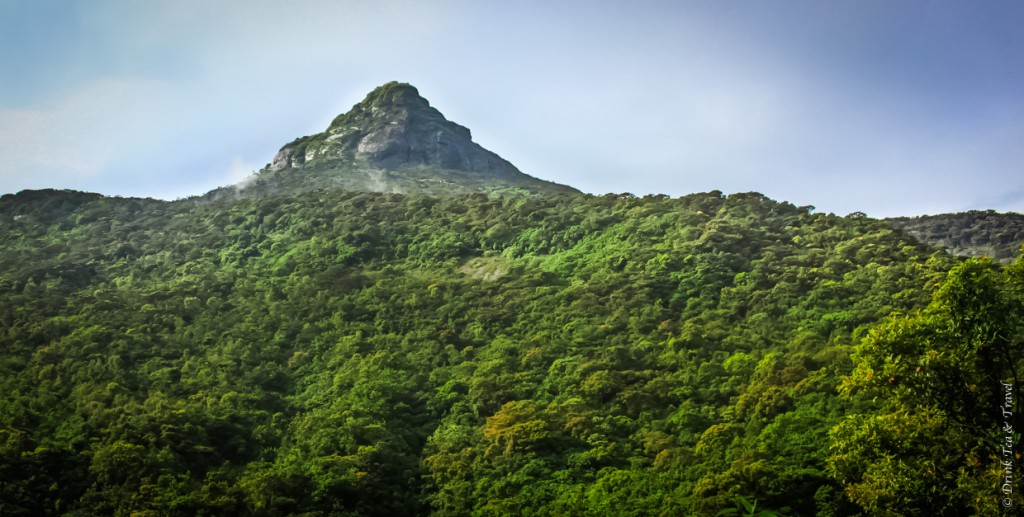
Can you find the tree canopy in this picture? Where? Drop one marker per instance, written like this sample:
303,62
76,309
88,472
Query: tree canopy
343,353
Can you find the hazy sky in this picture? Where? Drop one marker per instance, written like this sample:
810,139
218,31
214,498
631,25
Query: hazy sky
887,107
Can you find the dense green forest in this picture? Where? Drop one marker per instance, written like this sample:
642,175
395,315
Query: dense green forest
341,353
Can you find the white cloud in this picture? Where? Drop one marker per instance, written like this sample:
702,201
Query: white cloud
29,141
66,142
240,172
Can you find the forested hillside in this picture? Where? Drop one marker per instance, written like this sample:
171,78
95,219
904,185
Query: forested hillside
340,353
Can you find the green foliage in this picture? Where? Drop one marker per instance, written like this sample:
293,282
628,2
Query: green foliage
343,353
748,508
933,384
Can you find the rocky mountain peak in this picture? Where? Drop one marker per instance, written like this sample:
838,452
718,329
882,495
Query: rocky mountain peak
392,127
394,140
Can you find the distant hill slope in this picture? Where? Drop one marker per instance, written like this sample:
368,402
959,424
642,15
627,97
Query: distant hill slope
393,141
973,233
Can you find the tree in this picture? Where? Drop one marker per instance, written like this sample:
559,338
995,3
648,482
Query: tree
934,385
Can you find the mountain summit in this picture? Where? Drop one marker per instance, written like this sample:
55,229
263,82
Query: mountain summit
393,141
395,127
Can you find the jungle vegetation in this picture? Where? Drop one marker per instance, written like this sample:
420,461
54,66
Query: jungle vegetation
344,353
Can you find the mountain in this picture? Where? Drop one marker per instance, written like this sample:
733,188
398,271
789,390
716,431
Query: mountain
287,348
974,233
393,141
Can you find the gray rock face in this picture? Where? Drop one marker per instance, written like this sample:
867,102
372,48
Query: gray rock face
284,159
393,141
393,127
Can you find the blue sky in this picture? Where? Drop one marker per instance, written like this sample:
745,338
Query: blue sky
891,108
